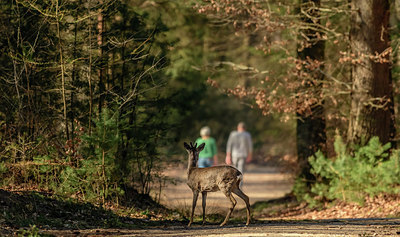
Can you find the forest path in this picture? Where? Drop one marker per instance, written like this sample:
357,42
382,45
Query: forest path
323,228
261,183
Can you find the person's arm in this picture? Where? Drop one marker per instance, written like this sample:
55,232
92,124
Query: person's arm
228,159
249,157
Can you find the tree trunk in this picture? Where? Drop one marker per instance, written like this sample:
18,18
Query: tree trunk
371,112
100,42
74,77
62,69
310,131
90,67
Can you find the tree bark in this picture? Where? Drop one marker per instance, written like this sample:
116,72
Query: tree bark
100,42
74,77
62,69
371,112
90,68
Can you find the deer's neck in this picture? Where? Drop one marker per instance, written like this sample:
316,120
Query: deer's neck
191,164
190,170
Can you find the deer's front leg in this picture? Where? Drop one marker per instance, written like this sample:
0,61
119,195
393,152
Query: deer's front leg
195,196
204,197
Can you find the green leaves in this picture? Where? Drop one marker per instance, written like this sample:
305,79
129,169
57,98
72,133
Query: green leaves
350,176
96,176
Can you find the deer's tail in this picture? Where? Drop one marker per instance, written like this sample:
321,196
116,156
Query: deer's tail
239,178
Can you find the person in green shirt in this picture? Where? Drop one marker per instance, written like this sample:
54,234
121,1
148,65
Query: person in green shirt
209,153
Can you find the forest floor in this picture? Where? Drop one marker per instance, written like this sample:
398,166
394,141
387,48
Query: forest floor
274,213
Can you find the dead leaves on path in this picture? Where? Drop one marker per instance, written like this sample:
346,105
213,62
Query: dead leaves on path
383,206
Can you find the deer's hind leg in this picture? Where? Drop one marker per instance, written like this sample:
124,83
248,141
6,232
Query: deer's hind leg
228,194
204,197
245,198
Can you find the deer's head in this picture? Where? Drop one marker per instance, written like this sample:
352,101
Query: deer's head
193,152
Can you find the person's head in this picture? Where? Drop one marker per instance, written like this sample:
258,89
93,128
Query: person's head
241,127
205,131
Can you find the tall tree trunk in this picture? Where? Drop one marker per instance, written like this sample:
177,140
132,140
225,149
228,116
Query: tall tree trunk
102,70
395,35
73,83
90,67
371,112
74,76
62,67
311,133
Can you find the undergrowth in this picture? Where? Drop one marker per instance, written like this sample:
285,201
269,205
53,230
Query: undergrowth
24,213
352,174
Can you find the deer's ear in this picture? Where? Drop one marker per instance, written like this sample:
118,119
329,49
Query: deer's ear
187,147
201,147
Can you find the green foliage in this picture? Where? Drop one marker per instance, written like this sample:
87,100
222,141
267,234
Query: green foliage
350,176
33,231
45,172
41,130
96,175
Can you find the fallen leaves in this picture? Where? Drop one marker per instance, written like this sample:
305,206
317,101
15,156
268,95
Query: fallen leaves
383,206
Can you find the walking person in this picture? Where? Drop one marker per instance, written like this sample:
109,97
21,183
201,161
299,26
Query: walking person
208,156
239,149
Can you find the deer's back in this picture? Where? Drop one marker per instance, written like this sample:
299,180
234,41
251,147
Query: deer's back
212,179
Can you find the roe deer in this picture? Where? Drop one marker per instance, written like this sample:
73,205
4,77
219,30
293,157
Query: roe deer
211,179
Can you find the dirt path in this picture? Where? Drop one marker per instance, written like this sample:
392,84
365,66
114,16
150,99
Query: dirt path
355,227
261,183
343,227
